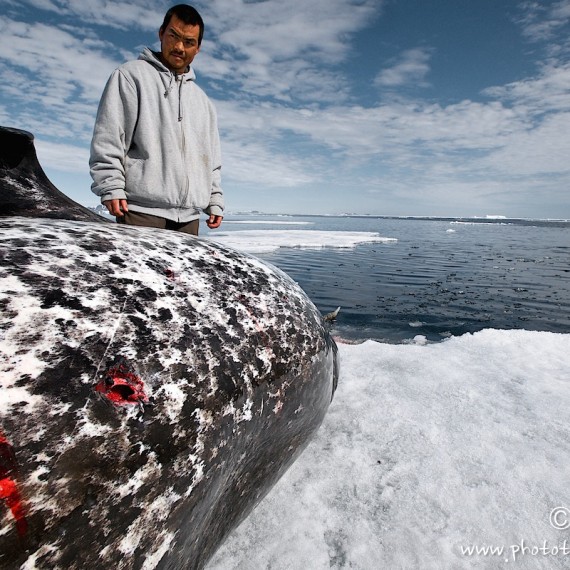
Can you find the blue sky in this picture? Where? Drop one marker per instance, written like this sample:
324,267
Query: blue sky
386,107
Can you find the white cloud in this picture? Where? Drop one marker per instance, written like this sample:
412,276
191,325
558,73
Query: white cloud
542,150
68,158
257,165
385,130
272,48
547,25
522,129
410,68
270,31
70,59
549,91
470,157
52,92
139,14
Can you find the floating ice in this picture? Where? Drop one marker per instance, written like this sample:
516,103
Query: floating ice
258,241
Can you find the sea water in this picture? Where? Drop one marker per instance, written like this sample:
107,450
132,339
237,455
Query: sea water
437,279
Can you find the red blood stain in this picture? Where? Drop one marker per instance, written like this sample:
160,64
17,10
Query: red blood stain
121,385
9,492
170,273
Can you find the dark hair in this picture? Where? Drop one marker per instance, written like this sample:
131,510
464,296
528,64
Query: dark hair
188,14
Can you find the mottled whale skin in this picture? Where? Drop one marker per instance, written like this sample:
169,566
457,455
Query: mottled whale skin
154,386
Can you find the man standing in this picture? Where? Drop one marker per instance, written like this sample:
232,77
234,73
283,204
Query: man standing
155,154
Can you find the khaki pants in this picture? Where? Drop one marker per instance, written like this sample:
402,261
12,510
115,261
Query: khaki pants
150,221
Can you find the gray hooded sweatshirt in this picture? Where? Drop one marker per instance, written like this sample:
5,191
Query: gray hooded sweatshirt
156,143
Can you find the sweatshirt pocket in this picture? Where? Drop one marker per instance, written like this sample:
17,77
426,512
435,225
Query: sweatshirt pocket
133,170
152,184
140,187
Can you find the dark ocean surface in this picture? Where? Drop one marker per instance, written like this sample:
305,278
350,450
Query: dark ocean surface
442,277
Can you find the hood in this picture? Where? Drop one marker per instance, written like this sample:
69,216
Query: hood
169,78
152,57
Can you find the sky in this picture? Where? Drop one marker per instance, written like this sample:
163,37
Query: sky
379,107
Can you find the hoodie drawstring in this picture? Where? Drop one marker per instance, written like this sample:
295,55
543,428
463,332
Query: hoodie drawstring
169,89
180,98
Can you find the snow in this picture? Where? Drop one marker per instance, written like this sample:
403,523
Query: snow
428,451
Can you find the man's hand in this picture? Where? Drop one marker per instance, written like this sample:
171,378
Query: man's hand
214,222
117,207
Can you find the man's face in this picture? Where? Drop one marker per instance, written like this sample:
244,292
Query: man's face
179,44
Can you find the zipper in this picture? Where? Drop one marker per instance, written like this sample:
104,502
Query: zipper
185,190
180,98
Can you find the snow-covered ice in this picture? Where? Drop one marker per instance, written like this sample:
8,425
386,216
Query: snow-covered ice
261,241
